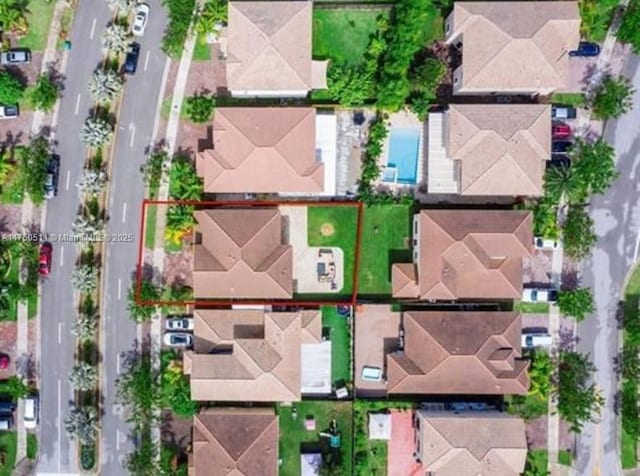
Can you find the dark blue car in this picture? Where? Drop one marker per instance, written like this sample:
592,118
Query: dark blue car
586,48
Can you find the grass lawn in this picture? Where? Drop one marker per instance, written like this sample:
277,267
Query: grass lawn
150,226
293,434
386,239
537,461
526,406
39,14
343,34
531,307
571,99
8,446
202,50
165,109
628,453
32,446
596,17
565,457
335,226
340,343
32,306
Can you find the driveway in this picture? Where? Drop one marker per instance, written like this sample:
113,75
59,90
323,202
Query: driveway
400,461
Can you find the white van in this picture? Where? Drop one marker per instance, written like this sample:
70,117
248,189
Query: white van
30,412
530,341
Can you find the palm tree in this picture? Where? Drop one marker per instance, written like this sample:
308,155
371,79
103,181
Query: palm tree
180,220
84,278
212,13
95,132
92,182
6,167
81,423
86,224
115,39
13,16
122,6
104,86
562,182
184,183
83,376
85,326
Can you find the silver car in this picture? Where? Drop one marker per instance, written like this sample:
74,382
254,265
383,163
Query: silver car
179,324
140,20
15,56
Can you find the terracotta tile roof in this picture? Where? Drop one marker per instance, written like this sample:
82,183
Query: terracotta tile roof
515,46
239,253
235,442
269,46
468,254
262,150
472,444
459,353
249,355
501,149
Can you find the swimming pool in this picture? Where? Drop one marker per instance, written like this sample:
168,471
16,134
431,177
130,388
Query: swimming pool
404,151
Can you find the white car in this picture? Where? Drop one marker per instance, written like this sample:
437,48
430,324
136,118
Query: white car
536,340
30,413
140,20
545,243
539,295
178,339
179,324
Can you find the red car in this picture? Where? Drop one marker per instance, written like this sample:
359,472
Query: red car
560,131
44,260
4,361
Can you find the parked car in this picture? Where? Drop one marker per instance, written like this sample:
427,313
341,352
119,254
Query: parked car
563,112
586,48
44,259
5,360
539,295
15,56
178,339
371,374
6,422
561,146
179,324
536,340
140,19
7,407
545,243
131,60
560,130
9,112
51,179
30,416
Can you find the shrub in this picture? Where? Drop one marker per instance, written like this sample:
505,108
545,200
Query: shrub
577,303
596,16
199,108
34,163
545,221
180,14
11,89
87,456
613,97
370,168
579,233
629,31
425,80
594,165
44,94
184,182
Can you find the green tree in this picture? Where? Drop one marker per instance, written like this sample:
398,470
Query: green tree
563,182
594,164
149,293
199,108
578,233
540,371
104,85
11,89
630,362
34,163
82,424
577,303
152,171
176,391
44,94
96,132
184,182
84,278
180,15
578,400
83,376
180,221
16,388
629,31
115,39
212,13
13,17
143,460
545,222
139,390
612,98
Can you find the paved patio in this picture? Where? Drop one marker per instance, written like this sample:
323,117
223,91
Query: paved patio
400,460
376,334
307,258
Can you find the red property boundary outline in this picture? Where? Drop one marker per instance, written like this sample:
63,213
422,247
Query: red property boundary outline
215,303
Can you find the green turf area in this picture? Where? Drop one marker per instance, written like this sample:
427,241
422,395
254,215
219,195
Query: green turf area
343,34
32,306
8,447
32,446
201,50
39,14
596,17
386,239
335,226
531,307
165,109
150,226
526,406
340,343
628,454
293,434
565,457
571,99
537,462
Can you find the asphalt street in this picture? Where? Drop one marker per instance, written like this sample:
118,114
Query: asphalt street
617,222
133,138
57,454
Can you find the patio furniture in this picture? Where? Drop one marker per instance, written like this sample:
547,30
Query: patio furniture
310,424
322,269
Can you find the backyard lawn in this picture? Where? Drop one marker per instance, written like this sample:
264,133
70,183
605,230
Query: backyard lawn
294,436
201,50
342,34
39,14
340,343
8,446
531,307
628,453
386,239
335,226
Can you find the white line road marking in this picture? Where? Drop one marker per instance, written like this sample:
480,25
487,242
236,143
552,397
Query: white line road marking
68,179
132,128
146,60
59,332
124,212
93,28
78,104
61,256
59,418
635,253
119,289
117,439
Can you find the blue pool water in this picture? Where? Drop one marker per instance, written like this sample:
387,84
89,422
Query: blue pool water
403,154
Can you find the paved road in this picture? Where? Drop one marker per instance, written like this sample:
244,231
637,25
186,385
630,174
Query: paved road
127,192
617,222
57,453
